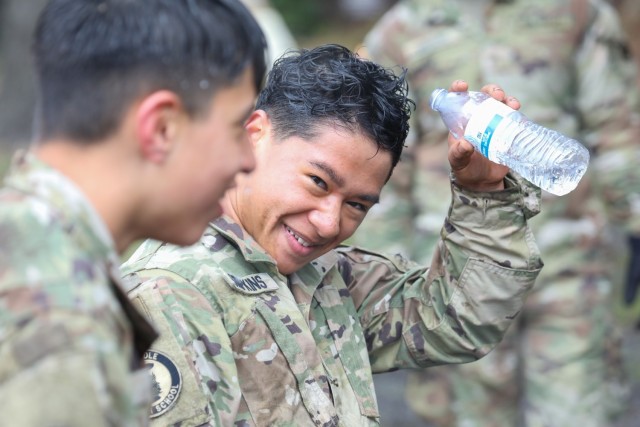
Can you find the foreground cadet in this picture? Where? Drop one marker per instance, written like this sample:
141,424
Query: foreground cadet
140,130
268,322
568,61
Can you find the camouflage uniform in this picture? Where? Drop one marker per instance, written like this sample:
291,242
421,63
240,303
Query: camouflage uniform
256,348
69,337
568,63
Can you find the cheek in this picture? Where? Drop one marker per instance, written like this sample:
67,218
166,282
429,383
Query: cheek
348,226
223,159
212,172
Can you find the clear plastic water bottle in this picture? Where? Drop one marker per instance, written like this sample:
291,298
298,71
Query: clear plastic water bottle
548,159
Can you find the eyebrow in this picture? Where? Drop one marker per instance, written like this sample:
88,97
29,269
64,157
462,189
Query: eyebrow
337,179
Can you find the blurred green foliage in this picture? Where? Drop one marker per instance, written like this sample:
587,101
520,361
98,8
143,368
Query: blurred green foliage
304,18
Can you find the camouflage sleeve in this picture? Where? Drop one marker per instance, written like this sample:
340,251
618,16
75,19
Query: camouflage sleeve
192,344
457,310
607,102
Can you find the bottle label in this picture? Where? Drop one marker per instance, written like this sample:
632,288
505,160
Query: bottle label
485,129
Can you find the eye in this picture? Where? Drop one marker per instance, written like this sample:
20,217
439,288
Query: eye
319,182
358,206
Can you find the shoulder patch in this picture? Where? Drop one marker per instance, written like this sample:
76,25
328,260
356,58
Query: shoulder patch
166,382
252,284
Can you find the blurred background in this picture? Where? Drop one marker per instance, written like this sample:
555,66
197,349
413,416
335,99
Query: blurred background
288,24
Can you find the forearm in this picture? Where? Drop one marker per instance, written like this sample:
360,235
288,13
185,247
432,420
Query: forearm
487,263
459,309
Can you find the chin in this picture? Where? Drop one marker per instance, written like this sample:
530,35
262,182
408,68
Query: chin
290,269
184,237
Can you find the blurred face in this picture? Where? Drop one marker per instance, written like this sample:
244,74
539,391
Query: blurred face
307,196
212,149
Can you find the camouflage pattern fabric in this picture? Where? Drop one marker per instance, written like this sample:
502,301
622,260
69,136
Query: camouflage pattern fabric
568,63
70,341
256,348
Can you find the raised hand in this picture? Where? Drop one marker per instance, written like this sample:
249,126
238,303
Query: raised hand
472,170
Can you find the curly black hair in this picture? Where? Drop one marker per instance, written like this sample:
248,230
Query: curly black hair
330,84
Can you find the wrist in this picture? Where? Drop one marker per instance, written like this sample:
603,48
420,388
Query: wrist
481,187
485,187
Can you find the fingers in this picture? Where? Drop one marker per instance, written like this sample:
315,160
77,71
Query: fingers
512,102
492,89
496,92
459,86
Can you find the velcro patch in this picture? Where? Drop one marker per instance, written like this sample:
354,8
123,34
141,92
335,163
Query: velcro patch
253,284
165,380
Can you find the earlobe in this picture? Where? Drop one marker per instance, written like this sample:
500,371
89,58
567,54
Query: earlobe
258,126
157,121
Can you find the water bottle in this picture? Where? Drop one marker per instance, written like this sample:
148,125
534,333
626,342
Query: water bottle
548,159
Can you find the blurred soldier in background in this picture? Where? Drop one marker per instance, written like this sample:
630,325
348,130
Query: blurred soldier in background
629,11
276,31
569,63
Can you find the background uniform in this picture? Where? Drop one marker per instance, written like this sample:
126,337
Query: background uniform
256,348
66,326
569,65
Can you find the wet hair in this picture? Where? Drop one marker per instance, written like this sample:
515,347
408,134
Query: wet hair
94,58
311,88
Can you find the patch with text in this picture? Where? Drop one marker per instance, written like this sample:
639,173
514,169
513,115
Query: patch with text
166,382
253,283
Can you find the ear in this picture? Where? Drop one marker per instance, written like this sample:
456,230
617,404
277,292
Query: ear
156,124
258,126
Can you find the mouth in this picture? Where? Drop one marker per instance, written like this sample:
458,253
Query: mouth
298,238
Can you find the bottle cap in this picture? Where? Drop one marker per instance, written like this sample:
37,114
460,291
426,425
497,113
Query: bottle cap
436,97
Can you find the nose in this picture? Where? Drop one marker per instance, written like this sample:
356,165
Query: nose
326,219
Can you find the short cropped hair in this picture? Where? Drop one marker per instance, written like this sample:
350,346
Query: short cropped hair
330,84
94,58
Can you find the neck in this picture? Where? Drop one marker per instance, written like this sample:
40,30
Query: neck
91,168
230,205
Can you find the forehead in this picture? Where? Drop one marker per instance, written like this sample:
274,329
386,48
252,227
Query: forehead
350,153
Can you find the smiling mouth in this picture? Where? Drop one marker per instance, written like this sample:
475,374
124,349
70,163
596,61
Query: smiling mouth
298,238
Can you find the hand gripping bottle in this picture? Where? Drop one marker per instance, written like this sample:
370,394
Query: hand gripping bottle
544,157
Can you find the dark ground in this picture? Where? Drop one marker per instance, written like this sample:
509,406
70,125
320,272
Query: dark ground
395,412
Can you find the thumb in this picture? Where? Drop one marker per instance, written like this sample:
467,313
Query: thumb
460,152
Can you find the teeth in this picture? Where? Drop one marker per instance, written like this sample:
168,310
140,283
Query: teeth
298,238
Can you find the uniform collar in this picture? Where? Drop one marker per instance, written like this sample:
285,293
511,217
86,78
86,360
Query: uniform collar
250,249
